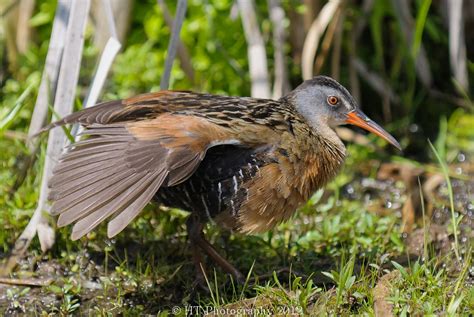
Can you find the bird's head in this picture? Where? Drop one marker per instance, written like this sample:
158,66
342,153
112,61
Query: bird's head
323,101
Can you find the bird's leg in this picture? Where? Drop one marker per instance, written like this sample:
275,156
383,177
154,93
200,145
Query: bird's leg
198,265
194,229
196,237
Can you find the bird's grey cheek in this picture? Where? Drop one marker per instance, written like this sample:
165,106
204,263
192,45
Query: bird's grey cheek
336,120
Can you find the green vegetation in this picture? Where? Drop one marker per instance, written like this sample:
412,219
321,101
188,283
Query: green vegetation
347,251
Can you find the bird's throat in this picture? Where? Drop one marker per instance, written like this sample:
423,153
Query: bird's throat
316,159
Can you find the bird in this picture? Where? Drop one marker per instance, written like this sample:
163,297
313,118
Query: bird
242,163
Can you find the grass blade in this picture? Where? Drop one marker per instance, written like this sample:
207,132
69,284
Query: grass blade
419,27
10,117
445,171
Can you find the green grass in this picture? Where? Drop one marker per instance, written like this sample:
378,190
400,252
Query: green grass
328,259
454,220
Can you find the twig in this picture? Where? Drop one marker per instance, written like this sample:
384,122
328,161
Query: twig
110,18
46,89
281,85
315,33
255,50
327,41
50,73
173,44
336,53
457,45
111,49
65,94
183,54
23,28
109,14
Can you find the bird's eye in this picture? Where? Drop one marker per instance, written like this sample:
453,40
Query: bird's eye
333,100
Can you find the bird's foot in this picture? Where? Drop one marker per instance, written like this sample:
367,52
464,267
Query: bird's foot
200,282
200,279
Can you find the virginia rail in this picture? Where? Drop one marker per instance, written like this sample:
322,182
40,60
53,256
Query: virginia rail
243,163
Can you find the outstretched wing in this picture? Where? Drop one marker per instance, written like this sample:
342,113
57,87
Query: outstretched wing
123,160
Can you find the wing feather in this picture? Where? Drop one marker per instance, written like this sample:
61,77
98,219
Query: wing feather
123,219
71,184
103,198
121,205
110,146
122,160
93,191
58,180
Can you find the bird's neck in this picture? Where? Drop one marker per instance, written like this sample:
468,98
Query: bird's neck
322,154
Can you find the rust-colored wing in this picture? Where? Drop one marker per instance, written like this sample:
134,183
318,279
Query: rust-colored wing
123,160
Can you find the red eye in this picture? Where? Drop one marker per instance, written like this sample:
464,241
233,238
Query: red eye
333,100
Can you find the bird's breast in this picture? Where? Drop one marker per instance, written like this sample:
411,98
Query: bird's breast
281,185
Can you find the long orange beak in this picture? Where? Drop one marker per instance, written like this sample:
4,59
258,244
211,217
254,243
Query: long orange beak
358,118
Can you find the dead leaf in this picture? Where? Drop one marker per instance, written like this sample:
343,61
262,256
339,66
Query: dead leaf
26,281
436,235
381,292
